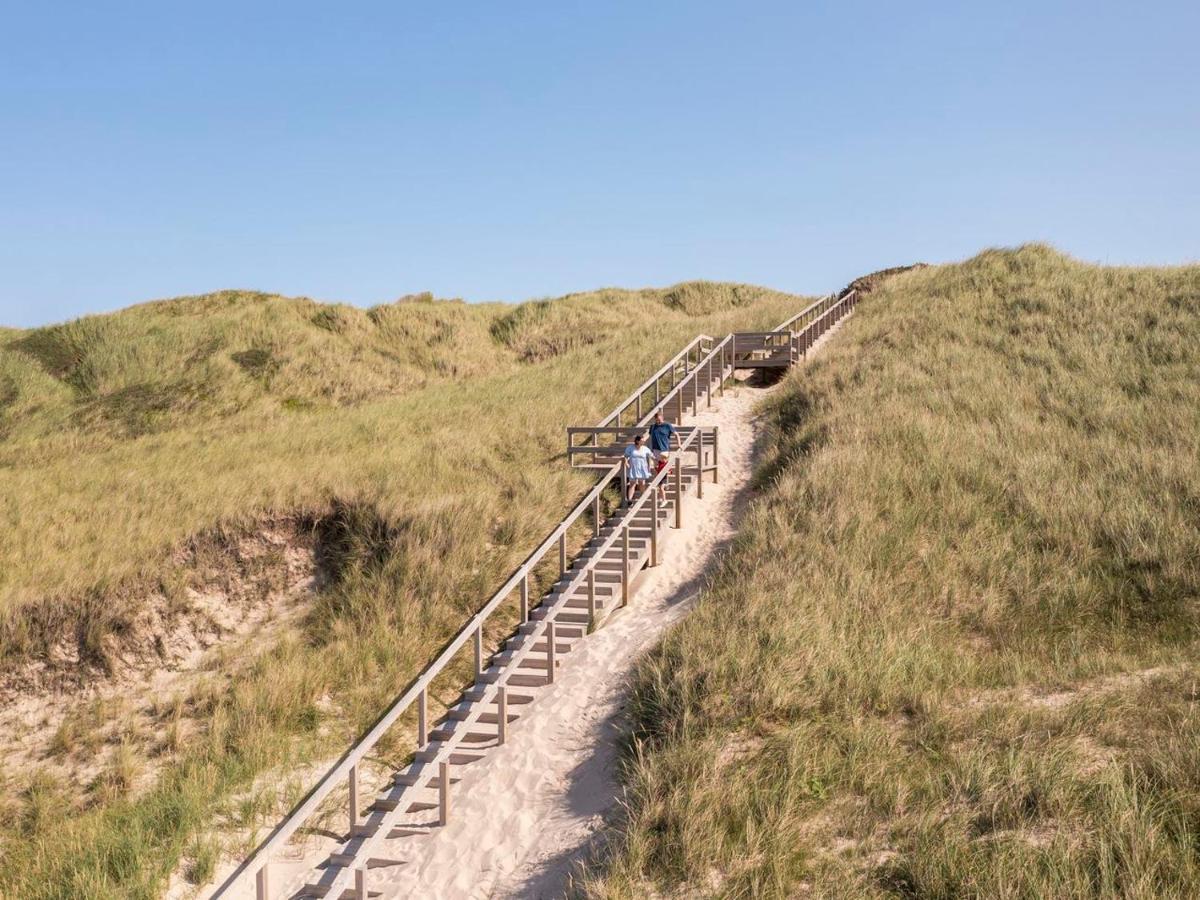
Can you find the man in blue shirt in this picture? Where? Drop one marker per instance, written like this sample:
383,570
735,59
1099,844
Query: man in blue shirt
661,433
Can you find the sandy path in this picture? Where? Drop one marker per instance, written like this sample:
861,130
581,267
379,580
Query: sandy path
522,816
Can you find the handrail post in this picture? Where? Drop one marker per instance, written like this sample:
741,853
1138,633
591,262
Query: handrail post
262,884
551,651
696,391
479,651
721,375
679,492
525,599
709,388
639,407
360,882
716,454
443,792
591,598
654,525
625,565
562,554
700,465
596,516
353,779
422,719
501,714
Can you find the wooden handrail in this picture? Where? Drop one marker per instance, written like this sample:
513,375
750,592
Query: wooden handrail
704,361
649,382
508,668
416,688
341,769
786,324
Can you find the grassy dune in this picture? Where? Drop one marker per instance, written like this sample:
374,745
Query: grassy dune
124,434
426,436
953,652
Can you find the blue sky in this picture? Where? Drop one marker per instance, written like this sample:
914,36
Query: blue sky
359,152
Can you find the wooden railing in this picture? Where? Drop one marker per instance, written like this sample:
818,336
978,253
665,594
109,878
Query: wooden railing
806,315
604,446
701,358
651,392
345,771
439,764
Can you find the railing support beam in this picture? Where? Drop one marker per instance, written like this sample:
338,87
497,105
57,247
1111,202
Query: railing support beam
625,565
679,493
591,598
443,792
654,526
501,714
716,454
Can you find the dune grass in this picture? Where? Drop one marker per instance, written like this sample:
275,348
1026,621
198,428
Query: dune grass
425,437
952,652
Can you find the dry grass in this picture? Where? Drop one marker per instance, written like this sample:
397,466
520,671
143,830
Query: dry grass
953,652
424,441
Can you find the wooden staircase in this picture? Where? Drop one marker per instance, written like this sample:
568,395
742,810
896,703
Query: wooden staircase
418,799
595,581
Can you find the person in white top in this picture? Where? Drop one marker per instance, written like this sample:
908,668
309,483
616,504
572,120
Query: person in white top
637,466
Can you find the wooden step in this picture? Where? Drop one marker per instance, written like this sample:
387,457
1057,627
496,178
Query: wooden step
564,616
487,718
349,859
475,694
615,565
580,601
409,778
387,804
309,891
562,629
603,589
450,727
561,644
531,661
457,757
471,737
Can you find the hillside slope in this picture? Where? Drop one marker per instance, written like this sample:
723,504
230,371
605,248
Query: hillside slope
953,652
351,484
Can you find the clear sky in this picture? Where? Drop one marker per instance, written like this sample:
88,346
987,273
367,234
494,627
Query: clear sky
359,152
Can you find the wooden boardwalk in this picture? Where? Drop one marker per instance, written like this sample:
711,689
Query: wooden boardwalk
577,592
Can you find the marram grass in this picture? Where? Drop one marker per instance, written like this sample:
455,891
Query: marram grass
953,652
